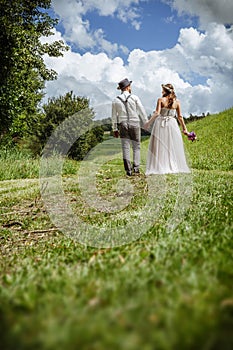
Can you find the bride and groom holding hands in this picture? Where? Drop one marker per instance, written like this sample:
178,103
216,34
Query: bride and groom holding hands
166,150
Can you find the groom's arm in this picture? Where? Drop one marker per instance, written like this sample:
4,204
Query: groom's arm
114,117
141,111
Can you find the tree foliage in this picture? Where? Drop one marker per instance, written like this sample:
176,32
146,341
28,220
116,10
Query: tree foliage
56,111
22,68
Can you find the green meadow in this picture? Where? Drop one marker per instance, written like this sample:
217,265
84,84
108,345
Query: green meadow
167,289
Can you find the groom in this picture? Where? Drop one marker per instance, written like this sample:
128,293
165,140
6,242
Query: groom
127,111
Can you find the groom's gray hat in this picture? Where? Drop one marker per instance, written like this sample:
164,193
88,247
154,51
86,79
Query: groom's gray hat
123,84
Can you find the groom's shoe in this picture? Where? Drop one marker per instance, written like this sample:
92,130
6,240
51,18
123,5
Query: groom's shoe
129,173
137,172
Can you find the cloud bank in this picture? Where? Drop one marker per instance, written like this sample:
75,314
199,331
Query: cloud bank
204,52
208,11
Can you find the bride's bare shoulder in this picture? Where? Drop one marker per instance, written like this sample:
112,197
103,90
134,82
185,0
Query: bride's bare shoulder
162,101
176,104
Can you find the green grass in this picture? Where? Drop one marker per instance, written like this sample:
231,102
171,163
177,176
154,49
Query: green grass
213,151
163,291
18,164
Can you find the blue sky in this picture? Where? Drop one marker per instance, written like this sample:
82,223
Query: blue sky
184,42
159,28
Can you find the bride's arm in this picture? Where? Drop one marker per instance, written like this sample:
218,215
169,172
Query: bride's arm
154,115
180,118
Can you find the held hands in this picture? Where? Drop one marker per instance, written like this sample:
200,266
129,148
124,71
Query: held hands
116,133
146,126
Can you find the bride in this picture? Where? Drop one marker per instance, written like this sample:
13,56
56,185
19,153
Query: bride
166,150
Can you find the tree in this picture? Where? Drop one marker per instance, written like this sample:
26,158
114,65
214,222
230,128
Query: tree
56,111
22,68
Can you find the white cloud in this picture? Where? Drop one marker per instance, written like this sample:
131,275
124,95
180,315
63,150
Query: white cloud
207,10
123,9
209,54
78,31
197,53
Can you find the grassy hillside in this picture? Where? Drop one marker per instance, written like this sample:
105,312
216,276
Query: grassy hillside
213,151
166,290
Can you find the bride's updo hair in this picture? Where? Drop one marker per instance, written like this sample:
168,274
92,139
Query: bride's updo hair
170,93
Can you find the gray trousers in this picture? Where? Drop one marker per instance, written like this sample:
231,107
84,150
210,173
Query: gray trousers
130,135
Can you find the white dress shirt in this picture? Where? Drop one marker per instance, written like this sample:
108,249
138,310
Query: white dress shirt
135,108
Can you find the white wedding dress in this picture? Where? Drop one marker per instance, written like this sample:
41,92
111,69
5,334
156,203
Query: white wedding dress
166,150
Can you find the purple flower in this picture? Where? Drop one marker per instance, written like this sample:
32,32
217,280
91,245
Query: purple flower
192,136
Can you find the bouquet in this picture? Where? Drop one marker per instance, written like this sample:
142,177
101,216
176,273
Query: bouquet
191,135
